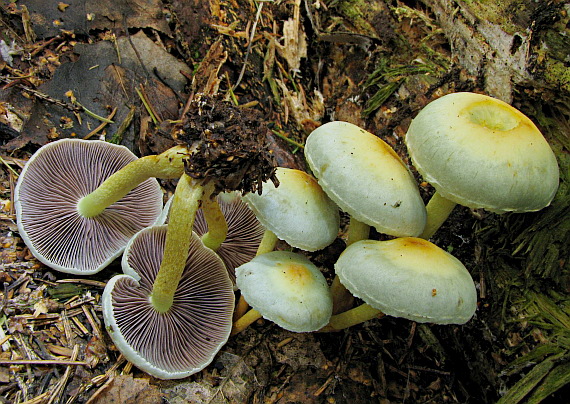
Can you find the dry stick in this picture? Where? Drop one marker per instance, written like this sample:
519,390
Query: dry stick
99,380
102,125
58,390
43,96
248,51
43,362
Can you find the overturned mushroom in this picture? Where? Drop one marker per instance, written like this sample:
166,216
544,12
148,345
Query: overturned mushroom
48,199
185,339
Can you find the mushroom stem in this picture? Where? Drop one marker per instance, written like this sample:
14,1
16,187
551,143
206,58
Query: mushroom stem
357,231
342,298
217,225
267,245
168,164
354,316
245,321
186,202
268,242
438,210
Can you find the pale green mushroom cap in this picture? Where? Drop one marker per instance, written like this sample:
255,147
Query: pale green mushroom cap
481,152
298,211
365,177
409,277
287,289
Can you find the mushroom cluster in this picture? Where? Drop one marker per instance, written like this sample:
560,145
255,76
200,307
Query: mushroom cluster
174,307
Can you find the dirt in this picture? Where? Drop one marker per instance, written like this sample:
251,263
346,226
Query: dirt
67,68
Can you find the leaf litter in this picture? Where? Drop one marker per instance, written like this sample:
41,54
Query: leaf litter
299,63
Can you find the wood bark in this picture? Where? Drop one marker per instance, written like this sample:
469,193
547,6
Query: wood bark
509,43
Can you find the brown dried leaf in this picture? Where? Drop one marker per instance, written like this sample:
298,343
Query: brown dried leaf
129,390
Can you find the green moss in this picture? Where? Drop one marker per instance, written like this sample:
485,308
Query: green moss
498,12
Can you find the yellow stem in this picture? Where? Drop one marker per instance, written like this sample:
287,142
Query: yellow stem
166,165
438,210
186,202
354,316
241,308
267,243
217,225
245,321
342,298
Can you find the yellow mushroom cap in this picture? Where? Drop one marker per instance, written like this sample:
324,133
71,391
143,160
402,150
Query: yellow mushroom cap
365,177
297,211
409,277
481,152
288,289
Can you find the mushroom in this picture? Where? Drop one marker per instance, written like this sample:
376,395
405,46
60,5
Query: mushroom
184,339
480,152
243,235
227,151
405,277
285,288
48,197
297,211
365,177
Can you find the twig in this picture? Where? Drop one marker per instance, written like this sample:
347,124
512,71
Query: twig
91,113
42,362
58,390
8,165
282,136
42,96
89,282
148,107
103,124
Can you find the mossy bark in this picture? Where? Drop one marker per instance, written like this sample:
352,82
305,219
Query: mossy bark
509,42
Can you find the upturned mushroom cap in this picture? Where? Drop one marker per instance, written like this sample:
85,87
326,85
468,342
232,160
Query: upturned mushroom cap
297,211
287,289
49,188
185,339
409,277
365,177
481,152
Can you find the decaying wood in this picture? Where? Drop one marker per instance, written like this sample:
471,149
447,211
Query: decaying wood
509,43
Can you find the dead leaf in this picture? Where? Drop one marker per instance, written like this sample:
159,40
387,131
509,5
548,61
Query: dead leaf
82,16
126,389
101,81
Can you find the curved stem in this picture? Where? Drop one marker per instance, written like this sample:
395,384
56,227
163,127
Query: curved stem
217,225
357,231
245,321
342,298
438,210
266,245
354,316
186,202
168,164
